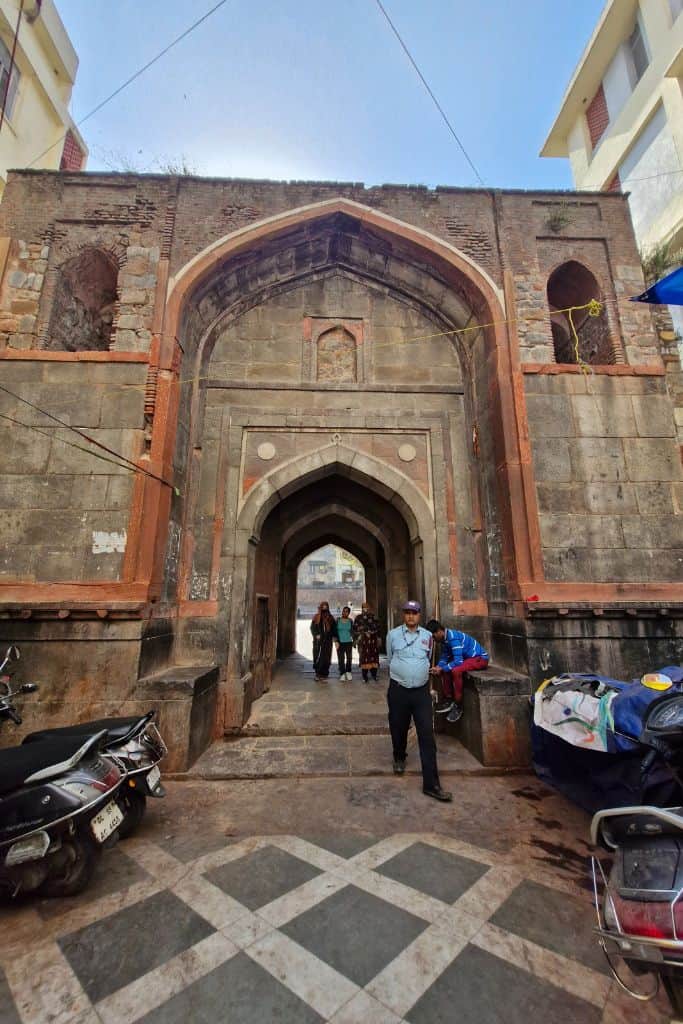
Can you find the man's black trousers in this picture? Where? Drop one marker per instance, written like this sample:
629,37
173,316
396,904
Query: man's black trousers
415,703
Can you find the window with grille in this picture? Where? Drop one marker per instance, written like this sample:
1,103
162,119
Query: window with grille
638,50
5,61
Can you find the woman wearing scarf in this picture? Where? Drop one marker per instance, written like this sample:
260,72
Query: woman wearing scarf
324,632
366,634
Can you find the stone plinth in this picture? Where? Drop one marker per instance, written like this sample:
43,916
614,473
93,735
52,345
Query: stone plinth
185,699
495,723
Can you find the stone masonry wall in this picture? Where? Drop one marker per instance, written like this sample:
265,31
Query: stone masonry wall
64,513
608,477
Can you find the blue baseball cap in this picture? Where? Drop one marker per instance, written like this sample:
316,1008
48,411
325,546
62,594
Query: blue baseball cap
412,606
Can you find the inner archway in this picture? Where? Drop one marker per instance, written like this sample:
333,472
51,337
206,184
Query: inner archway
331,508
332,574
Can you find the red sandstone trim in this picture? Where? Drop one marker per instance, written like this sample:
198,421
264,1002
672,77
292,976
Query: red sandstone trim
101,595
197,609
611,370
40,355
596,593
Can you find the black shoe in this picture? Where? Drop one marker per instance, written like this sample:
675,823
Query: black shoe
441,709
399,766
455,714
438,793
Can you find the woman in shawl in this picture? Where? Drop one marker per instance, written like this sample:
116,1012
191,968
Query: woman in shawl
324,632
366,636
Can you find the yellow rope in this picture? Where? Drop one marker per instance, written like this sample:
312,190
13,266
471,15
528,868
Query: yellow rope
594,309
593,306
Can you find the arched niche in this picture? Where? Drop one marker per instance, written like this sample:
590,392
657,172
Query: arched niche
588,341
84,303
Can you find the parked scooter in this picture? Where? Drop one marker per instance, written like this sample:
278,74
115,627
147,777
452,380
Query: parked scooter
640,905
135,742
58,807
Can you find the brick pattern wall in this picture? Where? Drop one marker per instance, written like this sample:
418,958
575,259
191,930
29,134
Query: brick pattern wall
73,157
597,117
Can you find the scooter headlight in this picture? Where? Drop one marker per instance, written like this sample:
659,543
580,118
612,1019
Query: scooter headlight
31,848
666,714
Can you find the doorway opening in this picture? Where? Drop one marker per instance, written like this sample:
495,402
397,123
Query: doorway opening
332,574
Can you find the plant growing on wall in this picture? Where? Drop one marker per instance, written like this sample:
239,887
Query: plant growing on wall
659,259
558,218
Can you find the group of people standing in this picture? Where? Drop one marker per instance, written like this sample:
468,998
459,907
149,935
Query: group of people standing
343,633
411,668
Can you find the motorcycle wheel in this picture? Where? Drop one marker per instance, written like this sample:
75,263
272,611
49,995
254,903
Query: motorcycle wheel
74,877
133,805
674,989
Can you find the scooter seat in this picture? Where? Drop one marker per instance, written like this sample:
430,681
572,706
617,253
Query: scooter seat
116,728
18,764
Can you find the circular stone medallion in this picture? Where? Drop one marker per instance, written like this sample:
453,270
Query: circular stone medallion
406,453
266,451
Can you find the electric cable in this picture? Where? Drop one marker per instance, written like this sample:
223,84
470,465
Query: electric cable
429,90
133,77
90,440
64,440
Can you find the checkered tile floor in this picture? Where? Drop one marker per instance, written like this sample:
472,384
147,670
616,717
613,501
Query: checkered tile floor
417,928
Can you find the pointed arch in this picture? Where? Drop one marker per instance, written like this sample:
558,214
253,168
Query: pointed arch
187,279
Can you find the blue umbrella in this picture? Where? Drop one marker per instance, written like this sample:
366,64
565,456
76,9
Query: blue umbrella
667,292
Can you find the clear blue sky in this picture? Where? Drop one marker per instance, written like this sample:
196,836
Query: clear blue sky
320,89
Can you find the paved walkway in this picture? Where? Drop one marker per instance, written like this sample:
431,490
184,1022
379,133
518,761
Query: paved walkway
303,728
342,900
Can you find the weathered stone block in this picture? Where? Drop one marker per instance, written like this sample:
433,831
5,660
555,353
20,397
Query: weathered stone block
552,460
568,565
656,498
602,416
610,497
653,531
653,415
561,497
123,407
567,531
550,416
597,458
653,460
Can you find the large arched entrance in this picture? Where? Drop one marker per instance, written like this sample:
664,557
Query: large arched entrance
324,396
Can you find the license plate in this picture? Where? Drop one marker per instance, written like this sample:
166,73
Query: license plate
153,777
107,821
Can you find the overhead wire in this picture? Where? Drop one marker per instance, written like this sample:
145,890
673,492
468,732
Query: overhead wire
86,437
64,440
133,77
430,91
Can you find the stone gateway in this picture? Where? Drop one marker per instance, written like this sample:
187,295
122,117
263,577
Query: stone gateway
412,374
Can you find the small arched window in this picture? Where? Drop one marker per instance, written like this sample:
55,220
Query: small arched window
337,355
572,284
84,303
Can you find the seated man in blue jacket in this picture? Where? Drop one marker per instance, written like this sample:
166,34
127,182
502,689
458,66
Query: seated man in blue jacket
460,653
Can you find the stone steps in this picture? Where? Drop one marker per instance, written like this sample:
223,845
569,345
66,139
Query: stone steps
330,756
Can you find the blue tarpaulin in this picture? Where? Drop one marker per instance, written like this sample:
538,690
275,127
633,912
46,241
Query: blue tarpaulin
585,740
667,292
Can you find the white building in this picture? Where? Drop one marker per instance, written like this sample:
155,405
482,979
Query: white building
37,128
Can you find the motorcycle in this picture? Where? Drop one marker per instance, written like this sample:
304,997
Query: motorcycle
135,742
58,807
639,903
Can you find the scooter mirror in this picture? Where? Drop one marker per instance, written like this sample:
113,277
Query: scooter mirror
29,687
12,653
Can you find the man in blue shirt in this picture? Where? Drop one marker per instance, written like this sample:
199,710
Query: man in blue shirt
409,649
460,653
